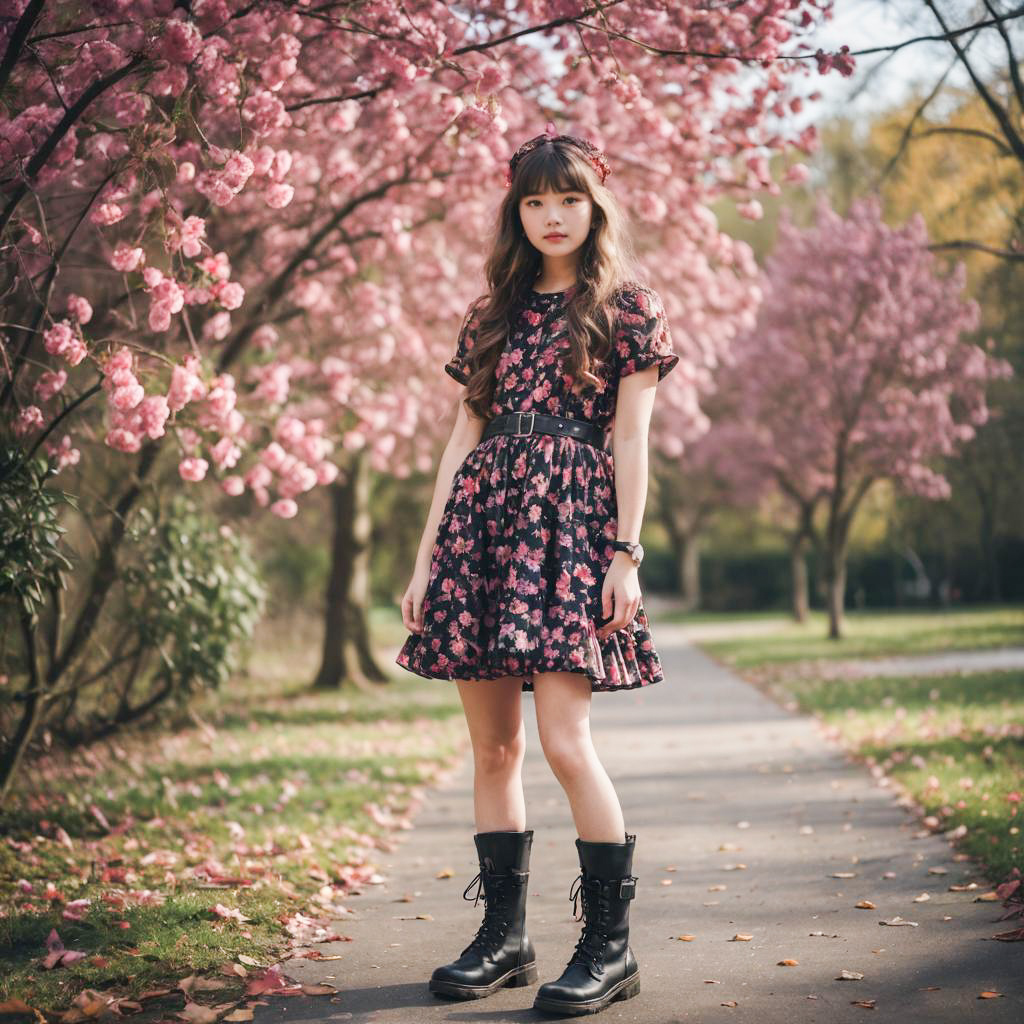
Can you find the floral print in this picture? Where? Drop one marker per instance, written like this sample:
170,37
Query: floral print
523,546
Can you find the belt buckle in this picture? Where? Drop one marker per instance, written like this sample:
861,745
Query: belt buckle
519,423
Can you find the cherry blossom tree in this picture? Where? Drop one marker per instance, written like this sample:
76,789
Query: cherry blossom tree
236,237
858,371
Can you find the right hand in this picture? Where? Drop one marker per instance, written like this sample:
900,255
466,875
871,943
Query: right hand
412,602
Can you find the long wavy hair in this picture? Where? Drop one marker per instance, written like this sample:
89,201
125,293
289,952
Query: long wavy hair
607,262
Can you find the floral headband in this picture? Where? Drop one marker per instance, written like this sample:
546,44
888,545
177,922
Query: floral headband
592,153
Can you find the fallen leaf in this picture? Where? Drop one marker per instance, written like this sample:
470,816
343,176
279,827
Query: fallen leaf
834,935
728,1002
990,995
16,1008
843,874
740,937
734,867
666,881
788,963
867,1004
897,921
718,888
938,871
196,1013
1017,935
987,897
686,938
319,990
963,888
239,1015
864,905
922,898
845,975
444,873
729,846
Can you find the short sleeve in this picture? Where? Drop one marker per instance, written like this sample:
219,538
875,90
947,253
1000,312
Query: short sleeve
642,336
457,366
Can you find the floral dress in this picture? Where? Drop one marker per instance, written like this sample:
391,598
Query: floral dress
523,546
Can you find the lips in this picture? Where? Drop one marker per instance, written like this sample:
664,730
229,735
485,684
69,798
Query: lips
554,237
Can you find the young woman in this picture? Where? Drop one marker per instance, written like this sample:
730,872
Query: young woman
526,576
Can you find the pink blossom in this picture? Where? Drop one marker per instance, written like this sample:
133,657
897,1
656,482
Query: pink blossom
179,41
185,385
273,456
79,308
193,469
326,473
233,485
129,396
123,440
106,214
50,383
226,453
153,413
57,339
65,453
30,418
126,258
285,508
75,352
218,327
258,476
278,195
289,430
231,295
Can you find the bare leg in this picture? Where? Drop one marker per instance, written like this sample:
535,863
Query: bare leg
562,700
494,714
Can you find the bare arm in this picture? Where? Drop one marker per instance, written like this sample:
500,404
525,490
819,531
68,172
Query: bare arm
633,408
464,438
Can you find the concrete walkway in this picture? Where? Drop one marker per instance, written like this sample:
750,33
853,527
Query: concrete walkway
711,775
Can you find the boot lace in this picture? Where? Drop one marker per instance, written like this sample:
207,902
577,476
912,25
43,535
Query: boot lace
590,946
492,929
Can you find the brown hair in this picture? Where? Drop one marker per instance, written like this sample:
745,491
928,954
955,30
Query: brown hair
606,263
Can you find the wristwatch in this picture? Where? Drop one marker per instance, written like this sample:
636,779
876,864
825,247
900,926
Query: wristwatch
636,550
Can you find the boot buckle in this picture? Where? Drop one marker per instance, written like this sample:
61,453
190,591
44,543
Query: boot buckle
627,888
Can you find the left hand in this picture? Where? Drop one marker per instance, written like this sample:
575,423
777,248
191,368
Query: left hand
621,585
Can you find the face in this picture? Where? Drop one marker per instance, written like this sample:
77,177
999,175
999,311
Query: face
556,213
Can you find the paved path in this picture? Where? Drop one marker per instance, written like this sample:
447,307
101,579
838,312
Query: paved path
930,664
699,760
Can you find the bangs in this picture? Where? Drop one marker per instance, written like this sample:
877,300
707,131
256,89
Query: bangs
550,169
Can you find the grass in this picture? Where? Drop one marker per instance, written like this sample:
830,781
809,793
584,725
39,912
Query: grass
874,634
269,801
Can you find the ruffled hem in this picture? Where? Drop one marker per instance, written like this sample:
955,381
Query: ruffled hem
611,664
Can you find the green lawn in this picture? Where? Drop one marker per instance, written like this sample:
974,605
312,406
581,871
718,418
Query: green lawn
276,794
873,634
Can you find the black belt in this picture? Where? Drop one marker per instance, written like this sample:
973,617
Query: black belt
524,423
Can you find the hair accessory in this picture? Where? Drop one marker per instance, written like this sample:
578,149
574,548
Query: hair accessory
550,135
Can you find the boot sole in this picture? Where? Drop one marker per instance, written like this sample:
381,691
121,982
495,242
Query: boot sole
625,989
516,978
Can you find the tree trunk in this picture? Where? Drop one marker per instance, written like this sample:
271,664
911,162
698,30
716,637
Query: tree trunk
14,750
798,575
835,580
689,570
347,652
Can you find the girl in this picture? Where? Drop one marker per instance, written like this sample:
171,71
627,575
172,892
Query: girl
527,569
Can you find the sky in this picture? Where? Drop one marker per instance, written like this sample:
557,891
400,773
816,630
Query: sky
883,80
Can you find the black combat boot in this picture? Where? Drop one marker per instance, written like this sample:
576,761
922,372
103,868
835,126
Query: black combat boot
602,968
500,954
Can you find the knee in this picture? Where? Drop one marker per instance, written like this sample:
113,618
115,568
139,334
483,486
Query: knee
500,755
568,755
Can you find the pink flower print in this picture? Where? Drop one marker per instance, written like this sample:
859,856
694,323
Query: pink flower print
582,572
523,641
532,317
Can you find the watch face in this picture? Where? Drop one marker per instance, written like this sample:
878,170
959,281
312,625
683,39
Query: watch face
638,553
